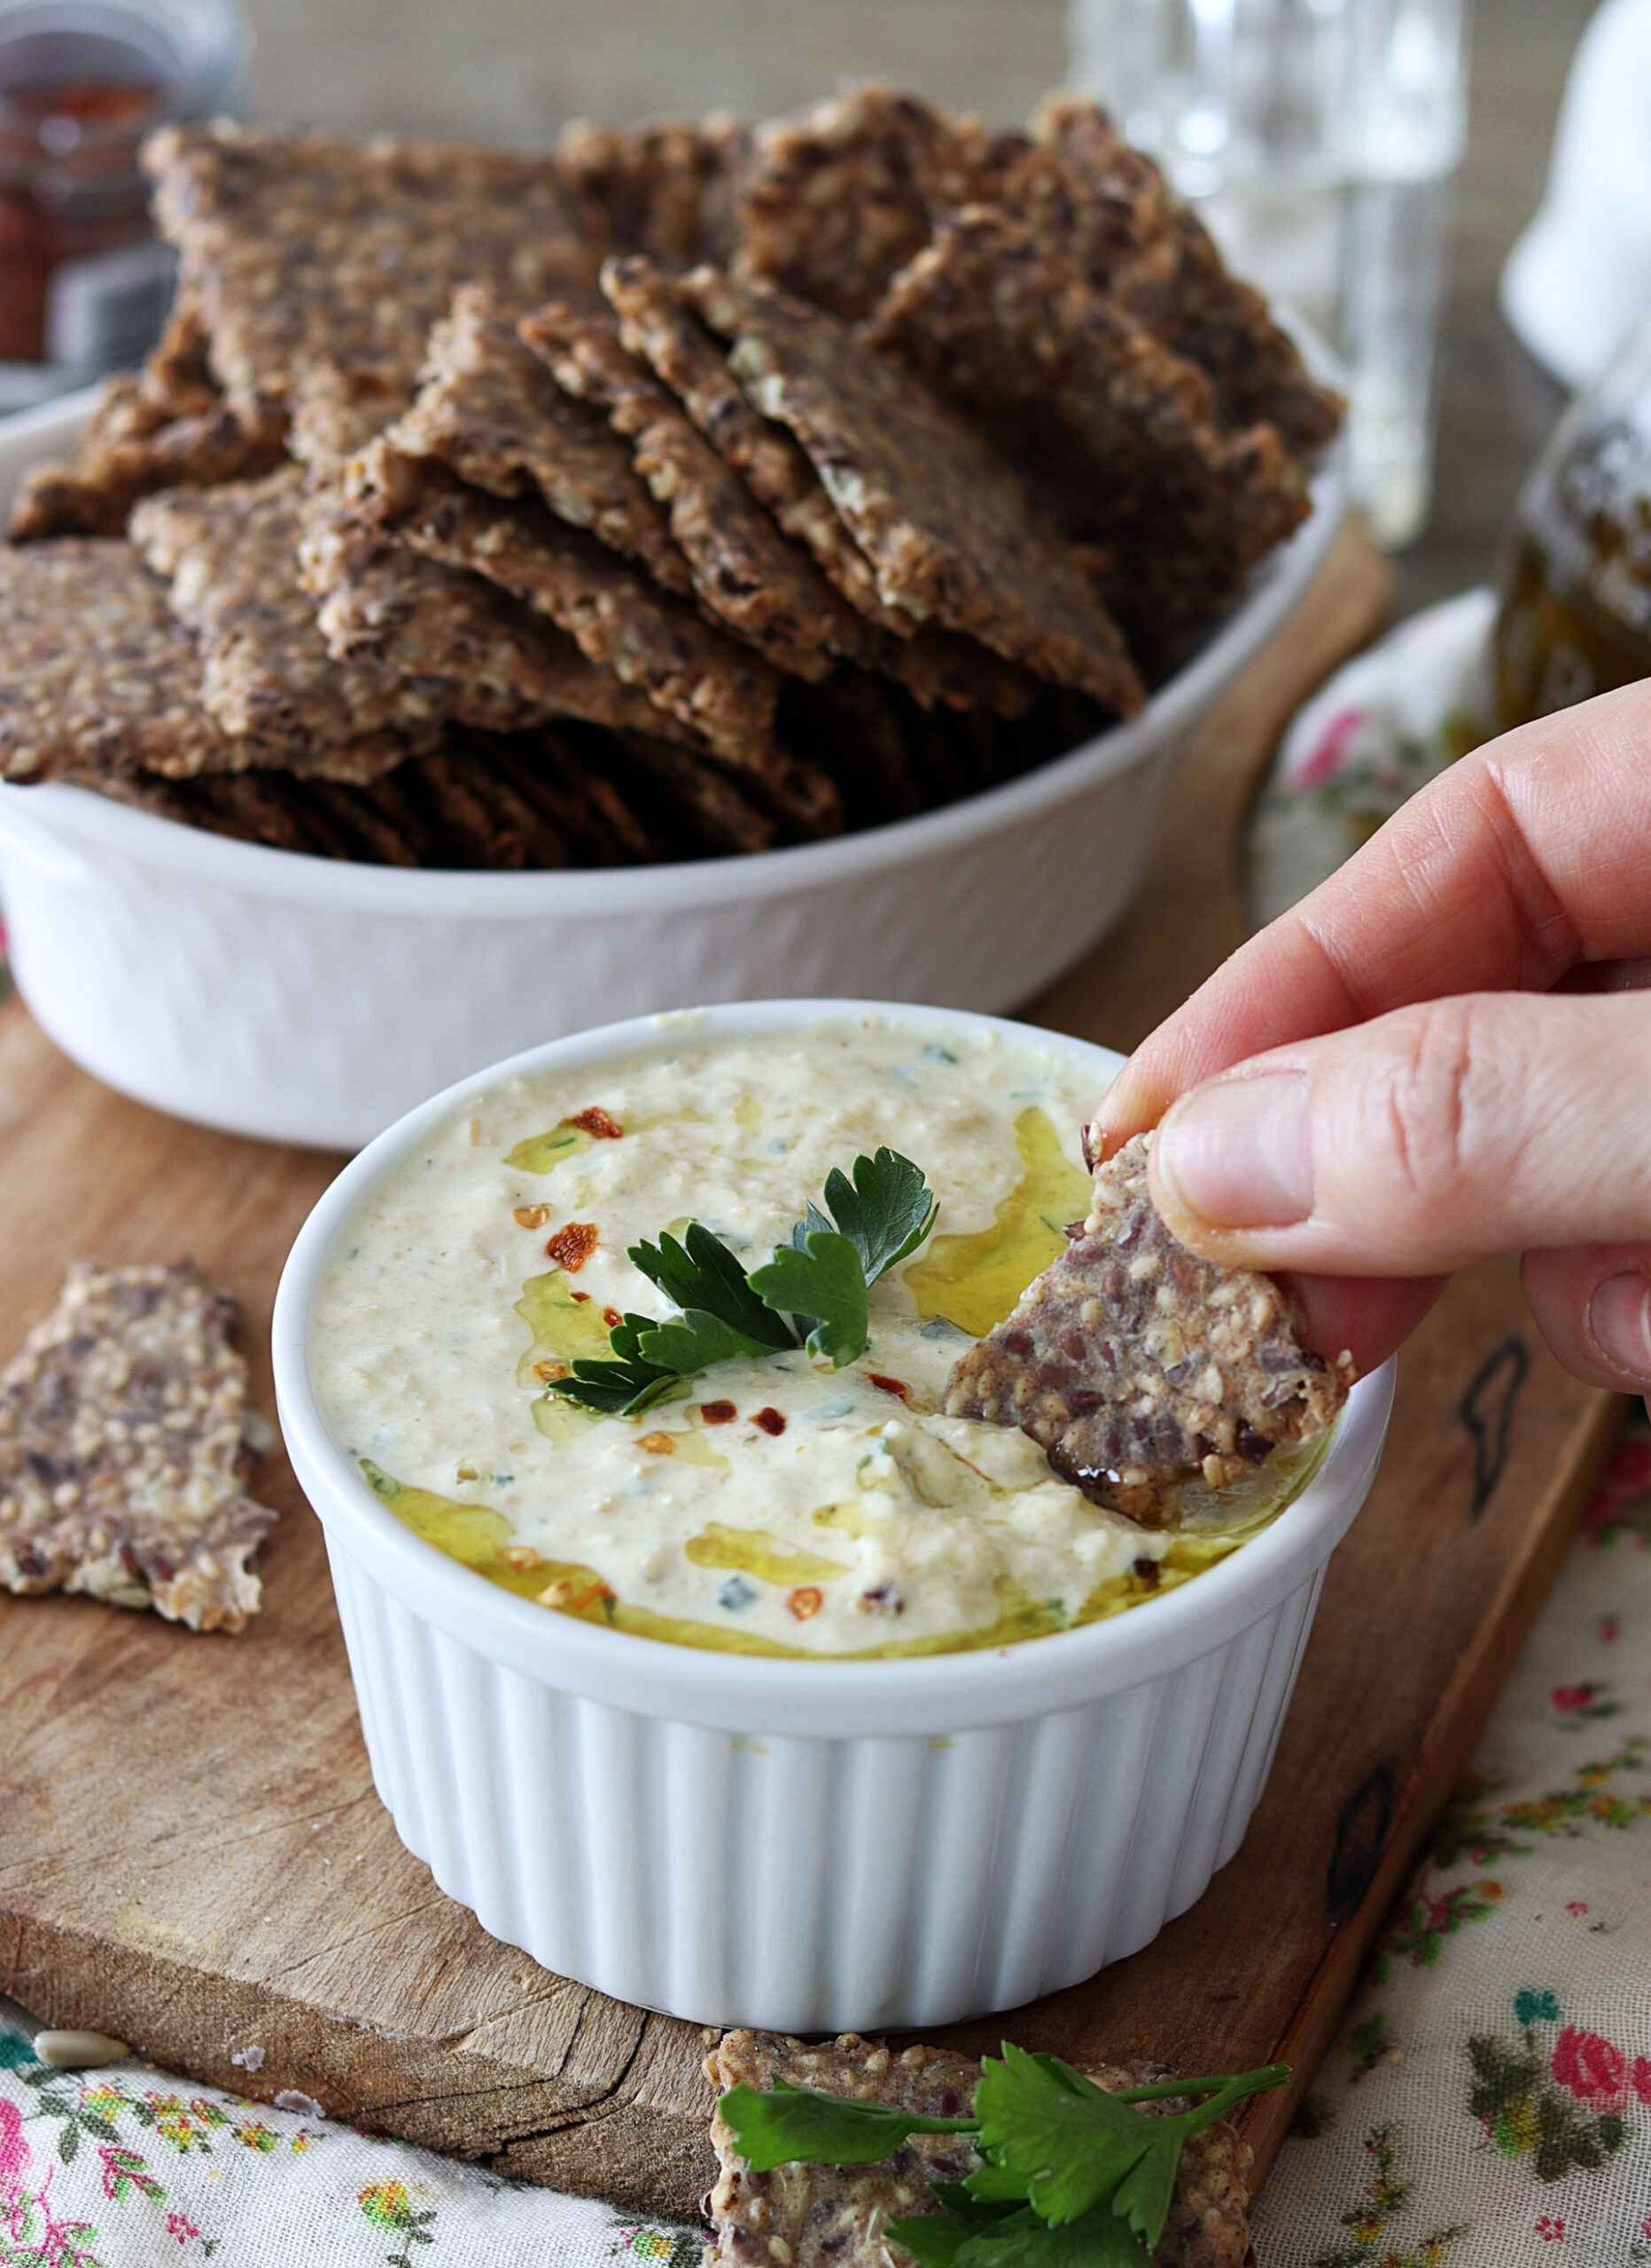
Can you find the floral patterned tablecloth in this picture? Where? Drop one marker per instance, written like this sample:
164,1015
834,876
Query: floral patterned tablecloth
1488,2101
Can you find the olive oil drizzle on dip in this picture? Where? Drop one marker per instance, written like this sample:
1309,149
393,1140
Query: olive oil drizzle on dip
772,1504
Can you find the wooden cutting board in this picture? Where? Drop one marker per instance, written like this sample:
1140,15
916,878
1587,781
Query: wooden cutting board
192,1854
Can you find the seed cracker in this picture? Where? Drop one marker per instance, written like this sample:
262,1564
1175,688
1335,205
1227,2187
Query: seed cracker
656,644
657,323
745,572
123,456
490,410
304,248
945,523
573,773
709,807
666,189
1113,212
833,2217
477,657
122,1449
165,427
1136,1366
1121,433
96,677
841,195
568,793
231,556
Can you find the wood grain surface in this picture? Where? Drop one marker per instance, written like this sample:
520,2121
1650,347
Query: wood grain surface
192,1854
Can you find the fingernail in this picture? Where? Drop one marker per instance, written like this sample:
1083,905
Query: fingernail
1619,1316
1239,1153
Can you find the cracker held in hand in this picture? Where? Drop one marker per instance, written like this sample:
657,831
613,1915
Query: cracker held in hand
947,526
833,2217
1136,1366
123,1451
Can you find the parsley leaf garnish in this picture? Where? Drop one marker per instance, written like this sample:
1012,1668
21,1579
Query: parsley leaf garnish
796,2122
702,1273
1072,2176
885,1211
627,1382
821,1284
813,1294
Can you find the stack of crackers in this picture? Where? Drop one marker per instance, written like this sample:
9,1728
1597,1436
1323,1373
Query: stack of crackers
689,489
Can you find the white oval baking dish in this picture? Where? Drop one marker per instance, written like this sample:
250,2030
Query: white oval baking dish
309,1000
806,1846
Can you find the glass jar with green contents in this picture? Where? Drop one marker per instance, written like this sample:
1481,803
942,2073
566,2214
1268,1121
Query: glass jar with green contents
1576,612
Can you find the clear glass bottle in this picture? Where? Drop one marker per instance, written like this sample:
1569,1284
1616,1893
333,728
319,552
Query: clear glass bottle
84,285
1319,140
1576,598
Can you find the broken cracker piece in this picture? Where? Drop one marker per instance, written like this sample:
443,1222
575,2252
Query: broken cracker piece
833,2217
947,526
123,1422
1136,1366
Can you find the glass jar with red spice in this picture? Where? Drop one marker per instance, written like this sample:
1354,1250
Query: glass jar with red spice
84,285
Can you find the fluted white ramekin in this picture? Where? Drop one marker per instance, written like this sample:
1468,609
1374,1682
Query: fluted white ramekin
807,1847
314,1000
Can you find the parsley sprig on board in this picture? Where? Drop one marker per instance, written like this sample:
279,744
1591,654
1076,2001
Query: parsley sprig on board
812,1293
1072,2175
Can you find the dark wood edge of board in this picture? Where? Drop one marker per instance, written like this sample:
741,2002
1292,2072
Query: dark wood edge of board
1481,1675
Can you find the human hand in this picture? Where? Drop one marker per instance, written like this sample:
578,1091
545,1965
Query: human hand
1443,1053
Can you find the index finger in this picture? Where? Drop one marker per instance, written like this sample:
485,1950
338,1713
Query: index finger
1527,856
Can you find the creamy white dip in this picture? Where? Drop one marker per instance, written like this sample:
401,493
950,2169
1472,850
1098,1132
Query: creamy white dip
777,1504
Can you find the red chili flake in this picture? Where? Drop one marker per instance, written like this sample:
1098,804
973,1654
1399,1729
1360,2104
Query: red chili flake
717,1413
805,1602
610,1316
573,1596
897,1387
597,1123
582,1297
571,1246
771,1421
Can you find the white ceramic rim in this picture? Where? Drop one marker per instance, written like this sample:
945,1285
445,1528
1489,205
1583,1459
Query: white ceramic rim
932,1694
612,892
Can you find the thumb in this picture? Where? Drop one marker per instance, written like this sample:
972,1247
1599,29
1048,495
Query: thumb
1422,1141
